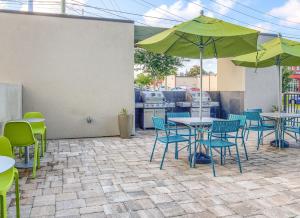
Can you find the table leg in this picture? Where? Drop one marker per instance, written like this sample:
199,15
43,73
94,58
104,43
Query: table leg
28,163
27,158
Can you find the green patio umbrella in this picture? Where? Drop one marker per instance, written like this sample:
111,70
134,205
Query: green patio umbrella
279,52
203,37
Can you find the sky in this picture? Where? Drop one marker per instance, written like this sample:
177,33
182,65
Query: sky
271,16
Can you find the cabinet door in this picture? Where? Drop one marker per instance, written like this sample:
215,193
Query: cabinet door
148,114
160,113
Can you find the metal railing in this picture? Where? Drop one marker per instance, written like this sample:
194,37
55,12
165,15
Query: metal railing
291,104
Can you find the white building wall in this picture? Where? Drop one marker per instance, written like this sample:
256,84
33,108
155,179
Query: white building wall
70,69
10,102
261,88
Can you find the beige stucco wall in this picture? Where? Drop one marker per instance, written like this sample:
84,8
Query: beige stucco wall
230,77
260,87
70,69
178,81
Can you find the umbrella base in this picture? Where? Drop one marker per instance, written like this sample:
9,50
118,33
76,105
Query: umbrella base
202,158
284,144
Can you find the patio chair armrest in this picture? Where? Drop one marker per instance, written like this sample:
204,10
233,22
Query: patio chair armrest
171,123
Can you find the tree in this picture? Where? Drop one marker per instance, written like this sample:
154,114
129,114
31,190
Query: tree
158,66
143,80
195,71
286,73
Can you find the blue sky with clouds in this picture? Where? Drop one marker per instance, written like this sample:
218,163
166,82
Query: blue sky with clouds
277,15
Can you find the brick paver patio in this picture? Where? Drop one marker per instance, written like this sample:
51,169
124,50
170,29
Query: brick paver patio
111,177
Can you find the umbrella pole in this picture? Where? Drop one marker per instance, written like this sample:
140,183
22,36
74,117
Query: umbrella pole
280,89
200,75
279,104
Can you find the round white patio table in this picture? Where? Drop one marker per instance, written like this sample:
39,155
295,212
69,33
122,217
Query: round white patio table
279,118
27,162
34,120
196,123
6,163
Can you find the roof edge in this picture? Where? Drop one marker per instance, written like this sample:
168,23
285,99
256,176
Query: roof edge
65,16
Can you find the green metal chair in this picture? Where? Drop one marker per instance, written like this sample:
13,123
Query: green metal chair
164,136
217,140
7,178
38,128
20,135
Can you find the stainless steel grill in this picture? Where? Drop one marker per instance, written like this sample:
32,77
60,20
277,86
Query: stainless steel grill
193,102
154,104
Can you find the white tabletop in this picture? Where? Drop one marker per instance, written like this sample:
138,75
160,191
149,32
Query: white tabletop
35,120
194,121
6,163
276,115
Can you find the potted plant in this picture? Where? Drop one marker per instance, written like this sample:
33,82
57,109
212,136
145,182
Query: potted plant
125,124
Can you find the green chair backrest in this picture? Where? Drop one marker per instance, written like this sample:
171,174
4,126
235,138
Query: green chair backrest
5,147
34,125
19,133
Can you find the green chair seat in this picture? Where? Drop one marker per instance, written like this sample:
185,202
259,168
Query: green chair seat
39,129
20,135
7,178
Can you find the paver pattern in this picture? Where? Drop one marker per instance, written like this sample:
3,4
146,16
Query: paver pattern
112,177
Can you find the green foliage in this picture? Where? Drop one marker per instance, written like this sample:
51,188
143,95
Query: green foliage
195,71
157,66
143,80
123,111
286,73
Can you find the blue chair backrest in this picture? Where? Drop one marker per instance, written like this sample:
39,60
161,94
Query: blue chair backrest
254,110
241,118
225,126
178,114
159,123
252,116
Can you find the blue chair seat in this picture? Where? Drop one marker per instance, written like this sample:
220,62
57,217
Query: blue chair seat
172,139
259,128
269,125
217,143
294,129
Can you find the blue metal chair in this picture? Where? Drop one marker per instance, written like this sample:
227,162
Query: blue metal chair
241,132
180,130
217,139
256,124
265,120
292,126
165,136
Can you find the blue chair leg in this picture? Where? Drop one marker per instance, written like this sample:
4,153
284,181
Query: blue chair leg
221,155
247,135
258,140
212,161
262,137
176,150
163,158
245,149
229,151
190,153
153,149
238,158
194,155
